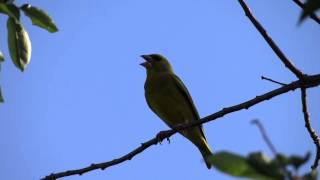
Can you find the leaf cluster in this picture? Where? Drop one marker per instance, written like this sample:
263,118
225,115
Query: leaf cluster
19,43
259,166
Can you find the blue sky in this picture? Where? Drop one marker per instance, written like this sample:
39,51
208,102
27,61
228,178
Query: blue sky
81,99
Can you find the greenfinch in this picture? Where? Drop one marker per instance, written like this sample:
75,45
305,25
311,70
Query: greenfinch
170,100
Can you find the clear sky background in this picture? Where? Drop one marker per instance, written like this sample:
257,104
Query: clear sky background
81,99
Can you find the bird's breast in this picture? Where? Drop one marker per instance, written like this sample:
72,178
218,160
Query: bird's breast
167,102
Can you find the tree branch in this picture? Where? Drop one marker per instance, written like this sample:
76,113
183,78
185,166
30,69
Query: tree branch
264,136
271,43
308,82
293,69
271,80
311,131
312,15
105,165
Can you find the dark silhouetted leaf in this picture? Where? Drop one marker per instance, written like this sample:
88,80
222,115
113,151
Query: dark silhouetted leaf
1,57
311,175
19,44
265,165
297,161
6,1
282,159
10,9
39,18
236,165
311,6
1,98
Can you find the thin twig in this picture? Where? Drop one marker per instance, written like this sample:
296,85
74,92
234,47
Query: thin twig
274,81
311,131
264,136
312,15
308,82
105,165
271,43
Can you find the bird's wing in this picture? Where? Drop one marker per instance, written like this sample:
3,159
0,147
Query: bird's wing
184,91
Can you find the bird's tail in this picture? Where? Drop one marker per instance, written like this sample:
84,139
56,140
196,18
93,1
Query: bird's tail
206,153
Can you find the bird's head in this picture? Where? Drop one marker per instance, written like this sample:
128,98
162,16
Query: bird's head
156,63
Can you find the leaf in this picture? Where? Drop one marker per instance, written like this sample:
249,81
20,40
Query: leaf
282,159
39,18
309,7
11,10
1,57
310,176
265,165
235,165
6,1
297,161
1,98
19,44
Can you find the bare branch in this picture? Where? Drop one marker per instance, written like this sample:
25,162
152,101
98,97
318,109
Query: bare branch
272,147
264,136
312,15
105,165
311,131
308,82
271,43
292,68
271,80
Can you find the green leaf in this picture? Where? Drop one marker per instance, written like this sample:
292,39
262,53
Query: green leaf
39,18
1,57
19,44
297,161
11,10
282,159
310,7
265,165
1,98
6,1
235,165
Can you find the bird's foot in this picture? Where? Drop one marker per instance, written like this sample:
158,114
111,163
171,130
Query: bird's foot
162,135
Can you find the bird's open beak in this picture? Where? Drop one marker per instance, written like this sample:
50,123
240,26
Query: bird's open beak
148,60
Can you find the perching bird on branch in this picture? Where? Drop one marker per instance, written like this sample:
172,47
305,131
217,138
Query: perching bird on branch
168,97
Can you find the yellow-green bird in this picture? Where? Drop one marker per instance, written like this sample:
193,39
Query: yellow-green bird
169,98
